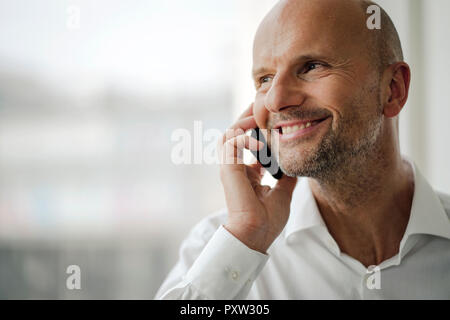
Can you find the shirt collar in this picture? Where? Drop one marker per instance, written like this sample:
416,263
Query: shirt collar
304,211
427,213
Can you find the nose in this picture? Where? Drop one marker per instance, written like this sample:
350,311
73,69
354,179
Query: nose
284,92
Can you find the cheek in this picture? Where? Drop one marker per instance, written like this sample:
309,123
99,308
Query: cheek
331,95
335,97
260,112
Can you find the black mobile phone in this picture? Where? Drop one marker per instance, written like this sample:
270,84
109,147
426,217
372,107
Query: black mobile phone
264,156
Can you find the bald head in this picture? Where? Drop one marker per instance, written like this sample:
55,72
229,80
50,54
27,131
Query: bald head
317,64
346,17
384,44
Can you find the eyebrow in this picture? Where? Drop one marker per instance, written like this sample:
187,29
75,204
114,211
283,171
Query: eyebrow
303,57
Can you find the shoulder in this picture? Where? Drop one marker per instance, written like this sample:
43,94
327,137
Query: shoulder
445,201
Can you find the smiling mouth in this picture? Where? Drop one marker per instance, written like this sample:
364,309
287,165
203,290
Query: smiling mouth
298,130
294,127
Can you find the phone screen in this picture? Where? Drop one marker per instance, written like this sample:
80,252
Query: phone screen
264,156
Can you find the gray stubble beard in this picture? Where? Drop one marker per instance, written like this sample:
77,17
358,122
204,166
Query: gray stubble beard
336,158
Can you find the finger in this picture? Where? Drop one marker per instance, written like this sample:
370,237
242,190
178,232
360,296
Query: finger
238,187
245,123
239,192
244,141
239,128
233,148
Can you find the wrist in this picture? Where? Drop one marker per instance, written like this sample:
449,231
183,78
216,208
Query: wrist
254,238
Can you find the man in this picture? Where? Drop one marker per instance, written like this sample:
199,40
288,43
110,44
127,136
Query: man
363,223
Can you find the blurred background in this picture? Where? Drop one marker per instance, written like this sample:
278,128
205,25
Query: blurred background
90,94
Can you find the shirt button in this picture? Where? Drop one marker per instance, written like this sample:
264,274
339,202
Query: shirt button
234,275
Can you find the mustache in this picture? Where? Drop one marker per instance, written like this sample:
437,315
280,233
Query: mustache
300,113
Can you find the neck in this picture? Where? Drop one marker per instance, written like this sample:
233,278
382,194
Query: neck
366,205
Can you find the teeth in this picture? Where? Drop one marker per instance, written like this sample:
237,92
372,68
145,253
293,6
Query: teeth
287,130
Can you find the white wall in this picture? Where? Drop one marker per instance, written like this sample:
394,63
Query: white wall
437,85
250,14
424,29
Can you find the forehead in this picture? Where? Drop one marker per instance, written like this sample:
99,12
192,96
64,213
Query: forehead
326,29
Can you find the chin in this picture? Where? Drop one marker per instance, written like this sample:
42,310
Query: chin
294,162
309,160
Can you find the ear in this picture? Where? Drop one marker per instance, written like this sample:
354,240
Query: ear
398,78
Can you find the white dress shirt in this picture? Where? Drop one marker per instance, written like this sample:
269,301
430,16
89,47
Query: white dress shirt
305,262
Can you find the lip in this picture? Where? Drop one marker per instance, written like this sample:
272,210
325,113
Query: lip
301,133
296,122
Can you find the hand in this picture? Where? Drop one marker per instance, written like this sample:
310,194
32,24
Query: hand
256,214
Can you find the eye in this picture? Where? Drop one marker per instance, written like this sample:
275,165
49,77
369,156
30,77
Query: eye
264,79
310,66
